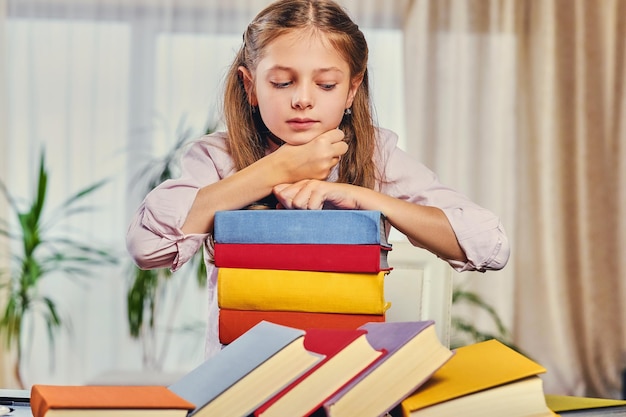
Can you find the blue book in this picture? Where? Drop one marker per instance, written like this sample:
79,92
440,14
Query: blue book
247,372
358,227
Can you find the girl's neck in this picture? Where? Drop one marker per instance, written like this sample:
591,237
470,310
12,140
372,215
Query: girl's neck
273,141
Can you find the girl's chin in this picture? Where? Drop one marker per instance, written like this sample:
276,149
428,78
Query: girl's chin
299,138
297,142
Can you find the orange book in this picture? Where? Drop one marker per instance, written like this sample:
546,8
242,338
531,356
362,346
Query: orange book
101,401
234,323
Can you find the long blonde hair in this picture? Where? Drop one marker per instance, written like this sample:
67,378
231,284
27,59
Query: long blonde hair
247,143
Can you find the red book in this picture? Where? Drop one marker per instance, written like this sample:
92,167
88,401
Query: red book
347,353
234,323
303,257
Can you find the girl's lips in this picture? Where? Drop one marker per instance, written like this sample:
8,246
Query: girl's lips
301,124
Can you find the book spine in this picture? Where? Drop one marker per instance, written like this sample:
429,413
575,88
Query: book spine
234,323
340,347
300,226
302,257
413,337
249,352
38,404
312,291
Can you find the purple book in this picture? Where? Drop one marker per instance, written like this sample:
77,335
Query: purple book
414,353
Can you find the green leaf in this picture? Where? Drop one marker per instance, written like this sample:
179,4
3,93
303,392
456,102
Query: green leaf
476,300
42,254
42,186
139,297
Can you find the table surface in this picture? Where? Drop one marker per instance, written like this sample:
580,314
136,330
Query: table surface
20,411
17,400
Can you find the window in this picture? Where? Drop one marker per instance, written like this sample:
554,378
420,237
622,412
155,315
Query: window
104,87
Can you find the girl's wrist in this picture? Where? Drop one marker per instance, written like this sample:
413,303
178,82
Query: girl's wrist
273,169
281,168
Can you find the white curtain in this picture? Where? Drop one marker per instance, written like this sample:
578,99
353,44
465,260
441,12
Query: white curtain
105,86
521,105
571,184
460,115
5,357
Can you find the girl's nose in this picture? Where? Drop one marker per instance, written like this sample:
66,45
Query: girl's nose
302,98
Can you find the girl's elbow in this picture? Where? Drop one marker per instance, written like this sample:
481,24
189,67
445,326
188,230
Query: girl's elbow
147,251
501,251
488,254
502,254
141,257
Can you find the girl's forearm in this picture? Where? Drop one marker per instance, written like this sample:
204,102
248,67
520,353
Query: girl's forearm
427,226
234,192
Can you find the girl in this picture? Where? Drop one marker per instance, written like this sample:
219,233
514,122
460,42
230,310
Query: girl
300,135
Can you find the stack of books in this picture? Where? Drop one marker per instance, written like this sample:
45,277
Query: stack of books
302,318
300,268
380,369
275,370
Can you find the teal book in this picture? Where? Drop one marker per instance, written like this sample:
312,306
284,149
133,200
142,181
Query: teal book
353,227
247,372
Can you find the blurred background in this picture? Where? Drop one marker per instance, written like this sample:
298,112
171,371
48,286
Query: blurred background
520,104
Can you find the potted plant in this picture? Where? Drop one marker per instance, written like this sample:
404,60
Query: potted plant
465,332
148,288
40,250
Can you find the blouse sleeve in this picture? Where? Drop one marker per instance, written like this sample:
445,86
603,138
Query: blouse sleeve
479,231
154,238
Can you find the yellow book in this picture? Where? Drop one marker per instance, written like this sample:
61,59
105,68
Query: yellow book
567,405
486,379
311,291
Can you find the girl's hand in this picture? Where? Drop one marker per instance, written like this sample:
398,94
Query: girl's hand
313,160
312,194
426,226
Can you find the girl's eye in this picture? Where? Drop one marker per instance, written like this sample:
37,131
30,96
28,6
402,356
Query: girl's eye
280,85
327,86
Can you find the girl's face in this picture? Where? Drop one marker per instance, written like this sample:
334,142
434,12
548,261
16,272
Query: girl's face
301,85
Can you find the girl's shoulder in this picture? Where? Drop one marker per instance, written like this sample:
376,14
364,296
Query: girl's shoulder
216,140
213,145
386,137
209,150
386,144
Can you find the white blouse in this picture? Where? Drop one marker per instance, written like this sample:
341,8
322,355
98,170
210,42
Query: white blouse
155,239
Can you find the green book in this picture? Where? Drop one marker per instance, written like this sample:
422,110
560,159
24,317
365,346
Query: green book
566,405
